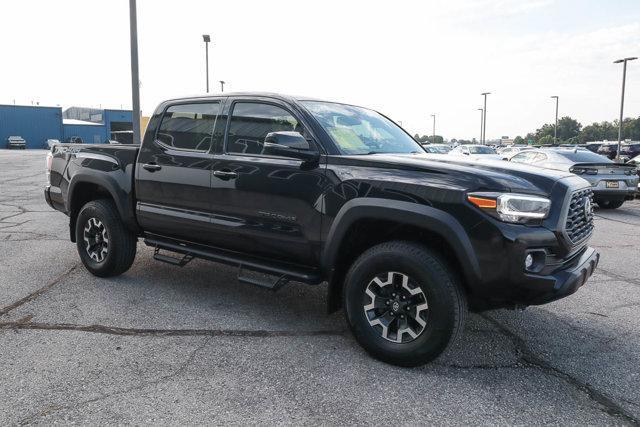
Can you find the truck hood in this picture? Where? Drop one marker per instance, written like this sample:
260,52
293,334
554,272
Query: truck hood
470,174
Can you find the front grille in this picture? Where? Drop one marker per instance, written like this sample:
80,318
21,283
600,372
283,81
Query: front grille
579,223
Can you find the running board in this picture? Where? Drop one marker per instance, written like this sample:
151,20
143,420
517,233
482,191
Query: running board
284,271
266,284
180,262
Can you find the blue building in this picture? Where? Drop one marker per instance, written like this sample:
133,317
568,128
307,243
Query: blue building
91,133
36,124
33,123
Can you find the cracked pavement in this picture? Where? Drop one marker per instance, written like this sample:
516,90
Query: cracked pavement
164,345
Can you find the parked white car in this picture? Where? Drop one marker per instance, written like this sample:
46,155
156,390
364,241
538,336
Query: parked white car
49,143
477,152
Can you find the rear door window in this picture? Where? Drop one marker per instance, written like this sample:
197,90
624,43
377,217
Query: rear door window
188,126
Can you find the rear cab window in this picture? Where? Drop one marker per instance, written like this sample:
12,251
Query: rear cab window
188,126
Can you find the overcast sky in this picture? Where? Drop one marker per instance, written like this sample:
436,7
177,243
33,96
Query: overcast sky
407,59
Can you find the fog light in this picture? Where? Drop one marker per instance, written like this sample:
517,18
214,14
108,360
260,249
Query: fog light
528,262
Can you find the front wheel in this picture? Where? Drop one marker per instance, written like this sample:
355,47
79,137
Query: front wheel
105,246
403,303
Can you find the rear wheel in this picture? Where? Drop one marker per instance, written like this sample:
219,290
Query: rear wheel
105,246
610,204
403,303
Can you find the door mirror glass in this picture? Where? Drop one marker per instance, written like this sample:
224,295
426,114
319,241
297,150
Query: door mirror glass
289,144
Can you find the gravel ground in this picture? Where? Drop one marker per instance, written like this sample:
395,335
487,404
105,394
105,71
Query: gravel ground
163,345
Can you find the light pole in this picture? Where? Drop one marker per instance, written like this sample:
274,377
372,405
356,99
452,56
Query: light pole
221,85
484,118
135,81
624,78
206,39
481,118
555,129
434,129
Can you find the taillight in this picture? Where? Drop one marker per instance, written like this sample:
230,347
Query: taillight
48,163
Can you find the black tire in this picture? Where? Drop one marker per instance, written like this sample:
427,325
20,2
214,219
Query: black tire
118,254
444,318
610,204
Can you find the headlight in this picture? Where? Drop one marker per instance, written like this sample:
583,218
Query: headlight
511,207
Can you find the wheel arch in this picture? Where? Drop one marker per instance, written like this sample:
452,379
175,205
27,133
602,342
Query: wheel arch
85,187
350,234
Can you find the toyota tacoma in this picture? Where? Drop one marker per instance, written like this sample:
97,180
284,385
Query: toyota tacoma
310,191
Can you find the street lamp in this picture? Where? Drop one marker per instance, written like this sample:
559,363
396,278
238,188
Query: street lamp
481,118
624,78
135,80
207,39
555,129
434,129
221,85
484,118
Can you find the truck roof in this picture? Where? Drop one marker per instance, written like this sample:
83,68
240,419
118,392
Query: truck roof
280,96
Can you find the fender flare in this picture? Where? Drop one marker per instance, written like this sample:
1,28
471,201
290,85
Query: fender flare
422,216
111,185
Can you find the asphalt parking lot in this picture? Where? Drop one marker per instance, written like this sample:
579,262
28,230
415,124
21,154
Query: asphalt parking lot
164,345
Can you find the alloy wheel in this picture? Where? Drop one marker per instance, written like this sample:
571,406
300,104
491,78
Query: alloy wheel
396,306
96,239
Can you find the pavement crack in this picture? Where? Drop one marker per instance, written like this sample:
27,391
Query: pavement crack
617,220
619,277
36,294
113,330
608,405
50,409
481,366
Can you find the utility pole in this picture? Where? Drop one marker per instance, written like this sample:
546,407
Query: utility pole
221,85
434,128
135,80
624,78
484,118
555,129
206,39
481,119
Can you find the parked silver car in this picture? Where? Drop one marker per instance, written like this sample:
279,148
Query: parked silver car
15,141
612,183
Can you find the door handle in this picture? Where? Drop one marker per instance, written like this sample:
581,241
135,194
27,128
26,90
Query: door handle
151,167
225,174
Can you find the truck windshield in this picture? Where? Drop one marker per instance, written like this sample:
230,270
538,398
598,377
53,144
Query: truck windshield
356,130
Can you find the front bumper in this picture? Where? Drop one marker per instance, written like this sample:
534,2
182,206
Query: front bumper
563,282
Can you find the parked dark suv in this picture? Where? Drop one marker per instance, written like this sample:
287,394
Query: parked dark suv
314,191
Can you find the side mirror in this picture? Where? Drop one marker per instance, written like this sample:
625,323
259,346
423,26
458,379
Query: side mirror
289,144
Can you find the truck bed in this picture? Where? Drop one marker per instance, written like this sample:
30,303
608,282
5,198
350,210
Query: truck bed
112,166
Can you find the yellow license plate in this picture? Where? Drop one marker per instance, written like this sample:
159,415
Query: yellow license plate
612,184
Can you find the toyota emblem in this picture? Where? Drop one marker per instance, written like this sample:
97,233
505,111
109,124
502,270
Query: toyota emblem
588,209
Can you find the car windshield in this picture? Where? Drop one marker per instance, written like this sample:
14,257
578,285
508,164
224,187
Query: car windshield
481,150
356,130
438,149
583,156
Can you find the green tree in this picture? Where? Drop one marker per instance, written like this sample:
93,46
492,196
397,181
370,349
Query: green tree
518,140
546,140
545,130
568,128
437,139
530,138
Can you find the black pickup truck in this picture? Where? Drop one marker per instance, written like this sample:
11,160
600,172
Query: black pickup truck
311,191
